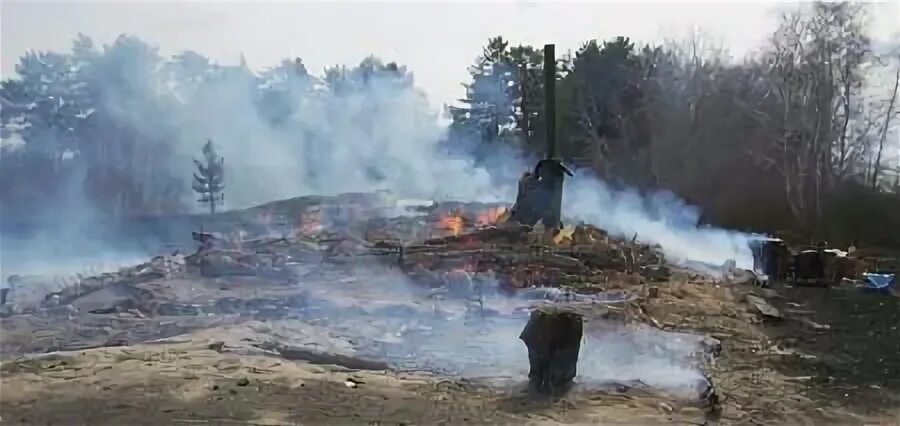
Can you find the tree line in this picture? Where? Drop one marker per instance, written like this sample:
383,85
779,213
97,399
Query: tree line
118,125
797,140
794,141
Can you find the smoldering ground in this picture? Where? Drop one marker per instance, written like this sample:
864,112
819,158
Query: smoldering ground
475,334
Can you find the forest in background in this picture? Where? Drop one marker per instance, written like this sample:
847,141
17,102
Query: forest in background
798,140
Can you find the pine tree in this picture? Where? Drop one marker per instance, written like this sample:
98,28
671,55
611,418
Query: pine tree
492,110
209,183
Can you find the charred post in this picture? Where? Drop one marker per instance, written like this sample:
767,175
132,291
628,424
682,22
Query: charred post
550,99
553,338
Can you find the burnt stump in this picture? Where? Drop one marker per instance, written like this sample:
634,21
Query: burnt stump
553,338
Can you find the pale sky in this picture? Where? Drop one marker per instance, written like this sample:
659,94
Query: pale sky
436,40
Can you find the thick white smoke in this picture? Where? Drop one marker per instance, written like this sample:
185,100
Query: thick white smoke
377,133
660,217
355,130
384,135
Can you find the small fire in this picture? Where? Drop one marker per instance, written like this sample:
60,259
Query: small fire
491,216
452,222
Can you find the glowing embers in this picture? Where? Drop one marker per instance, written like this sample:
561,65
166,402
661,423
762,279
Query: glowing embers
458,221
492,216
321,218
452,222
310,222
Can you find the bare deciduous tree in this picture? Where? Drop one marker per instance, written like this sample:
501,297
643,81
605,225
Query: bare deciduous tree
885,128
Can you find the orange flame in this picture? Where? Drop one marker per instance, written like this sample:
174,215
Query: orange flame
452,222
491,216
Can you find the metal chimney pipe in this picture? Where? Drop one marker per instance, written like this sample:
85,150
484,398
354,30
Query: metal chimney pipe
553,214
550,99
540,192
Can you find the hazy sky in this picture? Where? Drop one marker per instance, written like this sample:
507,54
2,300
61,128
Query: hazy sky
436,40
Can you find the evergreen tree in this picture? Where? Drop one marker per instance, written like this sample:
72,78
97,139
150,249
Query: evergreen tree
529,96
49,103
504,102
490,111
209,183
602,98
283,91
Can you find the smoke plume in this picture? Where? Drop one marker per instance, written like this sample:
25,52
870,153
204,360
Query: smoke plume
285,133
660,217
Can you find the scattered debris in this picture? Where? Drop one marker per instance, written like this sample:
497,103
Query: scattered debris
763,307
814,325
293,353
879,282
712,346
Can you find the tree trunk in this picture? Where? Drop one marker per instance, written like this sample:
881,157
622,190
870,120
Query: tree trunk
884,130
553,338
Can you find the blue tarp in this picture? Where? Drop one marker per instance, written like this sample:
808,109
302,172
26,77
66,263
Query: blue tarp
879,282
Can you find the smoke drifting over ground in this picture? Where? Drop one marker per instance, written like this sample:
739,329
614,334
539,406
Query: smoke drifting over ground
285,133
410,327
660,217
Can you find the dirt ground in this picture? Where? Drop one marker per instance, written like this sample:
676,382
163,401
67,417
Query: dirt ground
184,381
832,359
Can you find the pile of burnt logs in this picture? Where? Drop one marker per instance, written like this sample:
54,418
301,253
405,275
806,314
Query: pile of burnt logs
530,255
38,294
507,249
219,256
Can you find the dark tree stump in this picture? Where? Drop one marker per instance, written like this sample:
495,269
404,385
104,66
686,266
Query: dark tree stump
553,338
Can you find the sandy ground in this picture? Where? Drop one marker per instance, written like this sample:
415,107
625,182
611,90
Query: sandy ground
217,376
183,381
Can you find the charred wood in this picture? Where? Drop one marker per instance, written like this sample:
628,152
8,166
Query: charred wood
293,353
553,337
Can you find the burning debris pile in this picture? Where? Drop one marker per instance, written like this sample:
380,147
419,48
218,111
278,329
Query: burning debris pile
455,239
